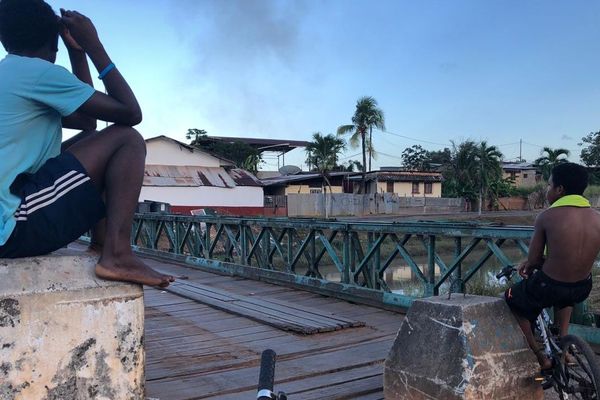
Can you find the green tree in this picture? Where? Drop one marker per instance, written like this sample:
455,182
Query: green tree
322,154
459,179
490,171
351,165
416,158
551,158
366,117
197,136
590,155
472,172
439,158
243,155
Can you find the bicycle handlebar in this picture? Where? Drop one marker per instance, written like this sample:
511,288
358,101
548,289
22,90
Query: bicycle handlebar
266,375
506,272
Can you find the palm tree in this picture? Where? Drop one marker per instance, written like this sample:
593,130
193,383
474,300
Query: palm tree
322,154
551,158
490,171
366,117
460,172
473,171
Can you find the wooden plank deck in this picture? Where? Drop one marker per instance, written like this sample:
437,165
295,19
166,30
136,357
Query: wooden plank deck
194,351
278,313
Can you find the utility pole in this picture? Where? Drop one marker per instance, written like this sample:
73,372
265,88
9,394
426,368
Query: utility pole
520,148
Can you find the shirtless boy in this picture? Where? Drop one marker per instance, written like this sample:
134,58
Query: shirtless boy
49,198
564,246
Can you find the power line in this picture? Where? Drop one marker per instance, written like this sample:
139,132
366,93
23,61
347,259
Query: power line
389,155
416,140
533,144
350,156
507,144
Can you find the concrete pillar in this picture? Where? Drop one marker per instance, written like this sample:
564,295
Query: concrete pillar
463,348
65,334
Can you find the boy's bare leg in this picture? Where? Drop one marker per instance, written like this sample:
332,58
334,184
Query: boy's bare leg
563,316
114,159
99,230
525,324
97,239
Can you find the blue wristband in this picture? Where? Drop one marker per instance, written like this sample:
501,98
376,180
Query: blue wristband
106,70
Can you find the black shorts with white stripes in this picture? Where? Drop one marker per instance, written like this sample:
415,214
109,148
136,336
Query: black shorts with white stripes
58,204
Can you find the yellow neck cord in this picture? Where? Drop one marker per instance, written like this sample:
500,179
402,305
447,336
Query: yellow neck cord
571,200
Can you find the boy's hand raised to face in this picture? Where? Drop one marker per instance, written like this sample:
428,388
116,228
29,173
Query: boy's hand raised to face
68,40
80,32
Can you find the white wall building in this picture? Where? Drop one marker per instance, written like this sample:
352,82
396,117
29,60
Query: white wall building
189,178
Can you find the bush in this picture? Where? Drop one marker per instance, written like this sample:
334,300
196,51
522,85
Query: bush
526,191
592,191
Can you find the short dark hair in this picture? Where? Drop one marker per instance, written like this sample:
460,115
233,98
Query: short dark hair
573,177
27,25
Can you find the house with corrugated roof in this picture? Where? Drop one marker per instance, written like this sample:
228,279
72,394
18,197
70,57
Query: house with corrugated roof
522,174
307,183
402,182
191,179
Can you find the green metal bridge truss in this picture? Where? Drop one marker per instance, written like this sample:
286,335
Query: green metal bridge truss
348,260
361,253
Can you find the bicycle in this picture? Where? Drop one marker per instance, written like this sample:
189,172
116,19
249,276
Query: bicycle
266,377
579,376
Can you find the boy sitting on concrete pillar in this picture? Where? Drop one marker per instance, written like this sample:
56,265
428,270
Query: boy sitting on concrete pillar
49,198
570,232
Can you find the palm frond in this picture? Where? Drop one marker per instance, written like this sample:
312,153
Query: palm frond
345,129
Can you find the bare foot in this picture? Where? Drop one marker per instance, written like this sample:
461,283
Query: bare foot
545,362
132,269
570,359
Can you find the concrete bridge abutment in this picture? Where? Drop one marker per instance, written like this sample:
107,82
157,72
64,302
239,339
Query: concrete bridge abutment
65,334
466,347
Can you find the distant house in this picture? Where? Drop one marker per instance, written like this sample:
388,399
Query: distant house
401,182
307,183
522,174
190,179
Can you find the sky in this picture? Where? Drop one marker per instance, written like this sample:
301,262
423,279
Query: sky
508,71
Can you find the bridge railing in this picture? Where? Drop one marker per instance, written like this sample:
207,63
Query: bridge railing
391,263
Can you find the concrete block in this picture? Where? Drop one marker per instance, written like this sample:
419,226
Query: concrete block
65,334
468,347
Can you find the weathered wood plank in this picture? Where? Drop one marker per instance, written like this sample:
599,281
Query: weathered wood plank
232,379
355,389
196,351
296,388
283,315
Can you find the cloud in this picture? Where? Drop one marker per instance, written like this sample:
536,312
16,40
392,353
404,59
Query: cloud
243,56
566,137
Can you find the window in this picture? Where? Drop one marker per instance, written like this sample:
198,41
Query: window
513,175
390,187
415,187
524,176
428,188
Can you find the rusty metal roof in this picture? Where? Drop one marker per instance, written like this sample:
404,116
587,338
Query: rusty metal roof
244,178
402,176
265,144
190,176
284,180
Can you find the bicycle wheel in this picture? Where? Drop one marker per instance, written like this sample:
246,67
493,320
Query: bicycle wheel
581,376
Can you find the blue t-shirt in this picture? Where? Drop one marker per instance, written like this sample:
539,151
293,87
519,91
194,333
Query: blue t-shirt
34,95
